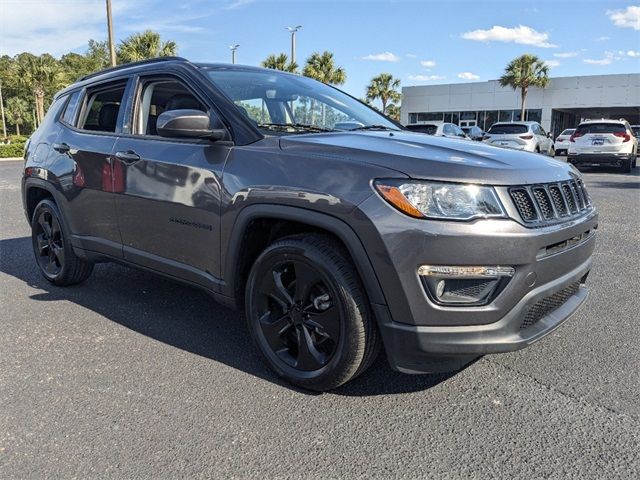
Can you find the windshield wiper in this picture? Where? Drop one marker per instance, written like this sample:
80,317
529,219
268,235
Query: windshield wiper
299,126
373,127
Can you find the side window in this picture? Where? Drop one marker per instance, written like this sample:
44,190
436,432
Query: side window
69,114
448,130
101,109
541,130
158,96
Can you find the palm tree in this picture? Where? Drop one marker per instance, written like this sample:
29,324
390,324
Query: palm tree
524,72
17,112
141,46
393,111
40,75
384,87
280,62
322,68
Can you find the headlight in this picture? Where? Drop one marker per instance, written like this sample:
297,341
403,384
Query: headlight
450,201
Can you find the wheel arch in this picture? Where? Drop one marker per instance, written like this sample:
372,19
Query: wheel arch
257,226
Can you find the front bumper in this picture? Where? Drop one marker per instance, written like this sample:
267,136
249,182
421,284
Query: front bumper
422,336
598,159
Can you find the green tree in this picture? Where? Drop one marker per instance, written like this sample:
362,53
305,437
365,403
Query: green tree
280,62
321,67
41,75
524,72
145,45
393,111
17,112
384,88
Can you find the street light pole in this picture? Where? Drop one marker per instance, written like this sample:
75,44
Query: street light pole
112,48
4,123
233,53
293,31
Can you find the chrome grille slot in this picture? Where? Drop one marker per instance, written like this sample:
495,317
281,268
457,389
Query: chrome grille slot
524,204
544,203
558,200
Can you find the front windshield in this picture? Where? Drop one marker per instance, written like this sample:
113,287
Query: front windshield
284,103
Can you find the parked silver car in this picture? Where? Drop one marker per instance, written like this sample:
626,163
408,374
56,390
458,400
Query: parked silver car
528,136
561,145
439,129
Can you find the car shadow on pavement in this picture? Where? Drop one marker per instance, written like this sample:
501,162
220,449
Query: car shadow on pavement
183,317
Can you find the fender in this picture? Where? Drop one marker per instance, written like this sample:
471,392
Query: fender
309,217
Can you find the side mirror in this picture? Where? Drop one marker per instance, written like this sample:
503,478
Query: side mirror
190,124
550,135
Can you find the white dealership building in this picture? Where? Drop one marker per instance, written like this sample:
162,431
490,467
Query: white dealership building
564,102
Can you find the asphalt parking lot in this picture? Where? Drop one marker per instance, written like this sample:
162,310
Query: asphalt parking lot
132,376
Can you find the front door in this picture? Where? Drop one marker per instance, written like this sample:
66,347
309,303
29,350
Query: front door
168,190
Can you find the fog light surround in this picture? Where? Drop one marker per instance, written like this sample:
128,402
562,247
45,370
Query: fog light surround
464,285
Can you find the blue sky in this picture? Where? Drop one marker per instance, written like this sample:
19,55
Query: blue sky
420,42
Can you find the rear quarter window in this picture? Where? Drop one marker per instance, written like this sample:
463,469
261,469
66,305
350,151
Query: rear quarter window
568,131
508,129
601,128
70,109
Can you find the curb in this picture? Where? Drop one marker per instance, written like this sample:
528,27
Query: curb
11,159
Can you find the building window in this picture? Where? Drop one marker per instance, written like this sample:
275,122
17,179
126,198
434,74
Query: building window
505,115
534,115
491,117
430,117
468,115
455,118
413,118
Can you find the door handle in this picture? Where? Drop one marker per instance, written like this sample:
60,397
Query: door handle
61,147
129,157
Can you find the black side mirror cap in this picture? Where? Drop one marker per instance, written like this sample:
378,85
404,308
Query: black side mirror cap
190,124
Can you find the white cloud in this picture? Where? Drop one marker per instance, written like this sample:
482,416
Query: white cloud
627,18
428,63
411,55
607,59
565,54
468,76
426,78
602,39
382,57
521,34
238,4
552,63
630,53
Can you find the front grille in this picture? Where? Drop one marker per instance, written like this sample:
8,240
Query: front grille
548,304
549,202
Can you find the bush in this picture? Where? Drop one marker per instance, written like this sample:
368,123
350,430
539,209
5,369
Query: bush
12,150
18,138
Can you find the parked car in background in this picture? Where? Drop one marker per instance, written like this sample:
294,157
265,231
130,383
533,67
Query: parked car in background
636,130
528,136
439,129
603,143
474,133
333,243
561,145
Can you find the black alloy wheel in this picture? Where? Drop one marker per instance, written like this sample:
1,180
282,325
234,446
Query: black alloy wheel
308,314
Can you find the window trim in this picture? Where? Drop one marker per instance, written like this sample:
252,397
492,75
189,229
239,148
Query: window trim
78,107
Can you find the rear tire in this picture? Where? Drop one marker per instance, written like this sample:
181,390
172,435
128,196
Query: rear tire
626,166
52,247
308,314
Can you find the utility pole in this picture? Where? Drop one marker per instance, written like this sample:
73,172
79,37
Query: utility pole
4,123
112,48
233,52
293,31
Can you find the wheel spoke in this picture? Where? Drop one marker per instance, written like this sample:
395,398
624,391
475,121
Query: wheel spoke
306,278
273,329
326,323
51,264
43,245
59,254
309,358
272,286
55,227
46,226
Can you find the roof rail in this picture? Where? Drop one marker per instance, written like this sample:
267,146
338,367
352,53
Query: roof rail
133,64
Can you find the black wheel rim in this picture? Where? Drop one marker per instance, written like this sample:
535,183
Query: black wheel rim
299,315
48,244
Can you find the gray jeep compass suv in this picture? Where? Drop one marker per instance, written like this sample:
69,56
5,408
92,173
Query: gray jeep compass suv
333,228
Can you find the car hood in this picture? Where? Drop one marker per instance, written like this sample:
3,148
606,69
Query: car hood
426,157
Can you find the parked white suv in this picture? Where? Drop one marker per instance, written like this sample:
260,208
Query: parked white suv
439,129
603,143
562,141
529,136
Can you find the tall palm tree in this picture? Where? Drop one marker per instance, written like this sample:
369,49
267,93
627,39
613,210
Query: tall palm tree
393,111
40,75
523,72
17,112
280,62
384,87
321,67
141,46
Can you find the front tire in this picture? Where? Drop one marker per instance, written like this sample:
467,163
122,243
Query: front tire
52,247
308,314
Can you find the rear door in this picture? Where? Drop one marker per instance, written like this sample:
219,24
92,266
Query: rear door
168,199
83,165
600,138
